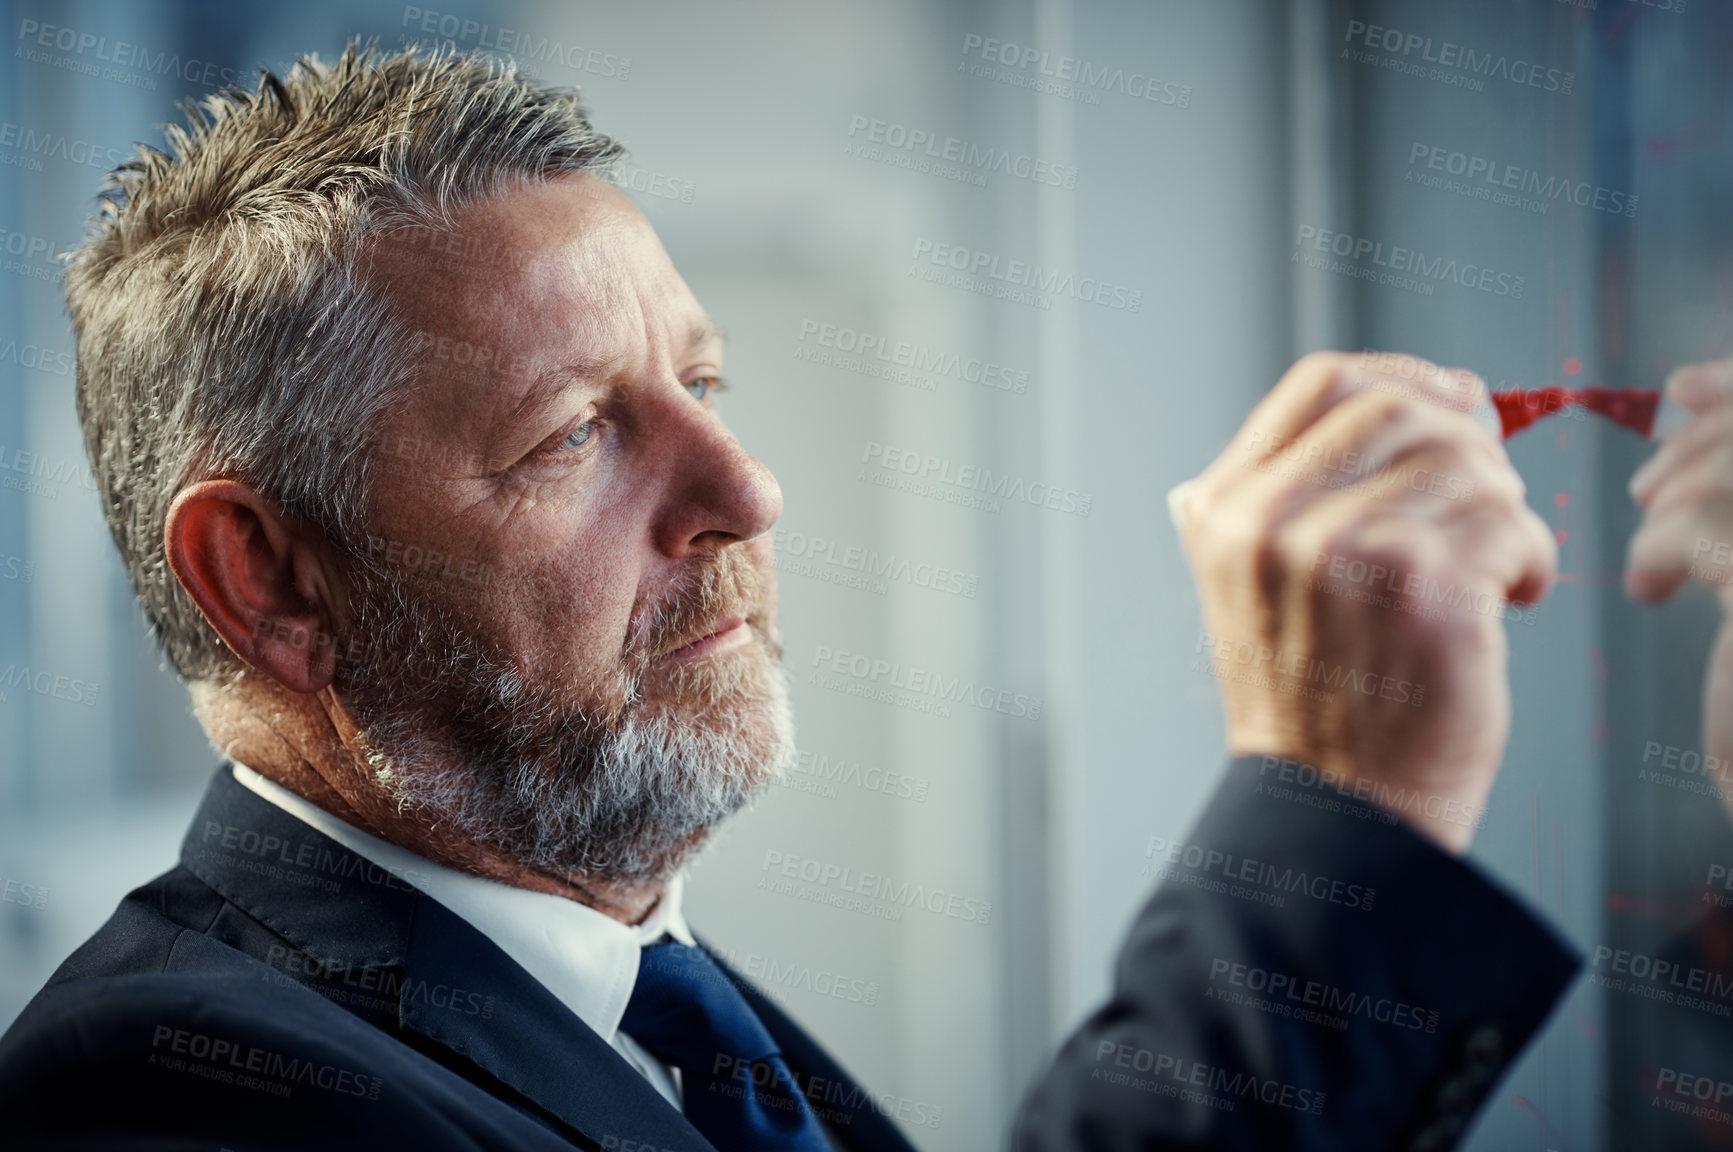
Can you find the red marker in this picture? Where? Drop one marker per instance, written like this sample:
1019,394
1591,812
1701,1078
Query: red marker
1644,411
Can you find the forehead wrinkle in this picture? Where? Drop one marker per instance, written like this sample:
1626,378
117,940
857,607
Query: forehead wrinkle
585,284
594,301
662,303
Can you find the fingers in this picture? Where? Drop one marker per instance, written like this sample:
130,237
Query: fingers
1305,392
1491,537
1686,490
1364,441
1705,477
1704,435
1413,378
1511,545
1424,449
1374,443
1701,387
1347,442
1688,540
1321,381
1443,507
1372,465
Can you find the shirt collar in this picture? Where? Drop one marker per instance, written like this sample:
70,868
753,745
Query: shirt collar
587,959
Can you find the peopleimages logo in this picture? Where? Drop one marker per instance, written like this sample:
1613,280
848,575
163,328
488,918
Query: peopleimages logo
1483,178
24,894
632,178
1666,981
36,259
34,145
1399,261
820,981
902,138
40,358
34,37
869,563
45,473
525,48
231,1061
1017,280
815,771
1296,993
1070,77
1457,64
1175,859
1209,1085
43,683
916,357
1293,671
923,684
983,487
890,894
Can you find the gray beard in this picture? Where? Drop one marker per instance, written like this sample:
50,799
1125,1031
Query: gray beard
616,789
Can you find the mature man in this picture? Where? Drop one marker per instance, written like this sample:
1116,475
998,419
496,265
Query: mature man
403,424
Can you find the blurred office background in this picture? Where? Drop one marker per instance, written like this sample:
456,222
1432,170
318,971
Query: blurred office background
1230,130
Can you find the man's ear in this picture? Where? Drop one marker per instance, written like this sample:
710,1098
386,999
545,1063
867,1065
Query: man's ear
264,582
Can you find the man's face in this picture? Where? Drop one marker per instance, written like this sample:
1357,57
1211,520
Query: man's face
567,600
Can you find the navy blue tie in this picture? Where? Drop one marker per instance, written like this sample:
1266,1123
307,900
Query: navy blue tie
734,1085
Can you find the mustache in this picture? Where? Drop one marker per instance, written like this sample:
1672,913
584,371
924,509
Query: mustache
414,634
700,598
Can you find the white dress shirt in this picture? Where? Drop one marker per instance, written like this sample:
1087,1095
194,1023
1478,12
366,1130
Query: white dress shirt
587,959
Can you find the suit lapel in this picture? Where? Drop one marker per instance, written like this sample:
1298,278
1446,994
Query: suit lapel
451,984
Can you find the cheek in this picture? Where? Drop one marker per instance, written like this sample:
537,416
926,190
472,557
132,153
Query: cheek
569,613
570,575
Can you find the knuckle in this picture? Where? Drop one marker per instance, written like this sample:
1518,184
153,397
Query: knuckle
1433,564
1324,376
1344,543
1322,363
1540,530
1370,540
1384,411
1471,456
1220,537
1499,488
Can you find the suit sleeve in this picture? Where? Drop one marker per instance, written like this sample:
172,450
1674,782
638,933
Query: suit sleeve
1309,974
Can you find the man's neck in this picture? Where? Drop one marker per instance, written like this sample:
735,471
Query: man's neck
308,745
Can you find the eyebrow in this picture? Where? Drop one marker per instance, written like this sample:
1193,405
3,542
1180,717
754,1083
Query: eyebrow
703,332
544,388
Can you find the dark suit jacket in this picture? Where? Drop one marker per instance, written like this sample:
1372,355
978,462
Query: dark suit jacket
277,991
1311,974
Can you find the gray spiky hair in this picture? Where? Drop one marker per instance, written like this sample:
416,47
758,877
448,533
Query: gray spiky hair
225,324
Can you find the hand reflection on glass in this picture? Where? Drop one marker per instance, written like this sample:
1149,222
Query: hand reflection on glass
1686,492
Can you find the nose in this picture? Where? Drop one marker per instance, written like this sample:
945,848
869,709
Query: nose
720,493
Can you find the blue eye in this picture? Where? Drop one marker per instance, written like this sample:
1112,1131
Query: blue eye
700,386
579,436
